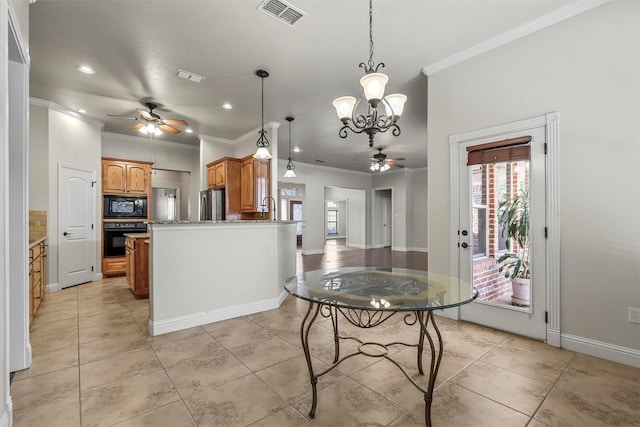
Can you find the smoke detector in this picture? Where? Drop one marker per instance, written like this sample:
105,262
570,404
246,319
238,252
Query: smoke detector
282,11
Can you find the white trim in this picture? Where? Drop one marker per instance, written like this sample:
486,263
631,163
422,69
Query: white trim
553,228
414,249
52,287
313,252
14,27
147,140
615,353
399,249
207,138
6,419
65,110
199,319
552,18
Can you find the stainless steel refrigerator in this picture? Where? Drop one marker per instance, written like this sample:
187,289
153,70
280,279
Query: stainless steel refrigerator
212,204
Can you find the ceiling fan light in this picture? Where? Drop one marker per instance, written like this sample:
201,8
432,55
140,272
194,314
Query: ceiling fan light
385,167
374,166
373,85
262,153
344,106
396,102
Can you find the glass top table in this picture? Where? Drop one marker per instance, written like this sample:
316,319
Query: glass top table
369,296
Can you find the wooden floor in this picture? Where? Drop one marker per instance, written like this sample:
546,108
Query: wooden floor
337,254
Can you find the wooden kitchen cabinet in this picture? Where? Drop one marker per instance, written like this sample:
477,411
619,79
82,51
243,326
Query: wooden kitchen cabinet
223,172
37,276
114,266
254,184
126,177
137,263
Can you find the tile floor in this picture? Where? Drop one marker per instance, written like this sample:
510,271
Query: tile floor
95,365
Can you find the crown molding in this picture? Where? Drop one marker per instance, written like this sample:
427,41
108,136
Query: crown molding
208,138
147,140
64,110
555,17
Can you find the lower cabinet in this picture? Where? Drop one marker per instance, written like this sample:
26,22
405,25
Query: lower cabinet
137,264
114,266
37,276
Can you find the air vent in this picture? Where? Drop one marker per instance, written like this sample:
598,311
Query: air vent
282,11
193,77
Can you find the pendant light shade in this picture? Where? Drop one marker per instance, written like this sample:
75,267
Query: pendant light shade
373,85
263,142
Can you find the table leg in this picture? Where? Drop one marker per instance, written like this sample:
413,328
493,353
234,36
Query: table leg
307,322
436,358
336,340
420,317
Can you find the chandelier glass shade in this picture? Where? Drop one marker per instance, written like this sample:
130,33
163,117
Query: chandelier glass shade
377,167
262,152
150,129
290,166
373,84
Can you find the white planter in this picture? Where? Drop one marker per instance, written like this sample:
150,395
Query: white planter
521,291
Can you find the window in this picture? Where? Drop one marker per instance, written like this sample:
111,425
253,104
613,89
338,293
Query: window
332,218
479,210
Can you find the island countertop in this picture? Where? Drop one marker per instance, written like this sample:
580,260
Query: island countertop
234,221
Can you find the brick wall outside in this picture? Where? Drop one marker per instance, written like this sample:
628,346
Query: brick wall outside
490,283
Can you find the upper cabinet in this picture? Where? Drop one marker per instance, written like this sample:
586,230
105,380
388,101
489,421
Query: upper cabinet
126,177
254,184
222,172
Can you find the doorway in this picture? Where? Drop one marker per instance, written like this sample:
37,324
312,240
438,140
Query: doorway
491,171
382,218
76,205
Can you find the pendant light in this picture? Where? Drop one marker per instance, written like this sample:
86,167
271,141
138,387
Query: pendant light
373,83
290,166
263,142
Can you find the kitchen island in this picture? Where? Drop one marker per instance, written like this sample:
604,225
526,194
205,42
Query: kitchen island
207,271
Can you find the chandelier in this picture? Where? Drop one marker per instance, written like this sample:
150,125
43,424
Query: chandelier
263,142
373,84
290,166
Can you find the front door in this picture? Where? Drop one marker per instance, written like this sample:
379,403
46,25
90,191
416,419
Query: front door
77,238
493,172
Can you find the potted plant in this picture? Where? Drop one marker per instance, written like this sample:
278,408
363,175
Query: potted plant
514,221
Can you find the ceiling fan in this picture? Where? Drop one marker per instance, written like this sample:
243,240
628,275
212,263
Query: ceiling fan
151,120
382,163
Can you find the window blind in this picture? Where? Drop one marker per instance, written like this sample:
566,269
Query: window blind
507,150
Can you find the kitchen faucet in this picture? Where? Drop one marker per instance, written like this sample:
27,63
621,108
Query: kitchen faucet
264,205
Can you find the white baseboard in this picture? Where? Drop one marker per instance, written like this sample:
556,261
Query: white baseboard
615,353
399,249
6,419
98,276
353,245
199,319
313,252
554,337
418,250
52,287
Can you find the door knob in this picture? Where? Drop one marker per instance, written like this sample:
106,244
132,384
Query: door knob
66,234
464,245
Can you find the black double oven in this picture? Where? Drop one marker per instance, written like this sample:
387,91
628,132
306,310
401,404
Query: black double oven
122,215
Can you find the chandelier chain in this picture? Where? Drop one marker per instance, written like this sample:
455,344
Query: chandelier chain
371,34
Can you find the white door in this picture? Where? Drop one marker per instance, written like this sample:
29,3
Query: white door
77,238
481,241
386,221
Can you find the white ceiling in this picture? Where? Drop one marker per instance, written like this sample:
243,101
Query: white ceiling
136,46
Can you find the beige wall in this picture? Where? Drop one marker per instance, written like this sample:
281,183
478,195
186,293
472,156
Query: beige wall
587,69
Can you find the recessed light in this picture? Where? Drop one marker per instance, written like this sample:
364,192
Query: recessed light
297,150
227,106
85,69
82,110
188,130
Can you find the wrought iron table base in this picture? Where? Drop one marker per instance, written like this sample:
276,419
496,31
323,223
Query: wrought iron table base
364,318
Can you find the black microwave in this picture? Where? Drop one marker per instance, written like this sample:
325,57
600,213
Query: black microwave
125,207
